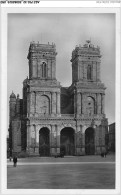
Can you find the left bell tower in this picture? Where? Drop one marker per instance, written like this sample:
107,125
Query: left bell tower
43,90
42,61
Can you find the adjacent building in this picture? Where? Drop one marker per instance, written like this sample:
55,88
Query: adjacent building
111,144
51,118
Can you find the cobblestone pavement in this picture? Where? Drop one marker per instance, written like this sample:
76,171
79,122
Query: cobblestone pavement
88,172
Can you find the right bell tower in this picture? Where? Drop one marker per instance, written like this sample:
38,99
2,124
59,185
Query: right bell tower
88,88
86,63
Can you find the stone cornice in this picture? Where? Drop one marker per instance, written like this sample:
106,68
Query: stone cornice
72,119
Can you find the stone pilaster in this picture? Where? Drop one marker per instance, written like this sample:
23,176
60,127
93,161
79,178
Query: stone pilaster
83,139
35,102
37,135
79,103
75,105
28,103
81,70
103,103
98,103
94,71
83,101
85,71
98,71
36,140
39,69
58,139
32,102
58,103
53,140
78,134
53,103
28,137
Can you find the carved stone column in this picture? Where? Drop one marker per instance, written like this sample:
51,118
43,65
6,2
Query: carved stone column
98,71
53,103
35,102
32,102
53,140
103,103
82,100
78,103
36,140
28,138
75,111
83,139
58,139
98,103
78,149
28,104
58,103
37,135
94,71
85,71
81,71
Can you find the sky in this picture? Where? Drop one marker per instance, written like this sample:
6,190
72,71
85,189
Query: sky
66,31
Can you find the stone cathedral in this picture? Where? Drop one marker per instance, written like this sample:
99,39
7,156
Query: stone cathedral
50,118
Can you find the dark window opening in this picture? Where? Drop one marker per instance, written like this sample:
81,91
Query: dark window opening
44,70
89,72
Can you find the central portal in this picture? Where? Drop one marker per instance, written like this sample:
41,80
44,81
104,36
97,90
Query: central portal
67,141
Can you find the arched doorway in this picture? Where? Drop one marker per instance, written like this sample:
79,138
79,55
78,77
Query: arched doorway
67,141
89,141
44,143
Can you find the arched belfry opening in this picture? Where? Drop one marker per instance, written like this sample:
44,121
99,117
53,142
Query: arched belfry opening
44,70
89,72
89,141
67,141
44,142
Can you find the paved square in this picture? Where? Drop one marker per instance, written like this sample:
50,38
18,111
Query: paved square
92,172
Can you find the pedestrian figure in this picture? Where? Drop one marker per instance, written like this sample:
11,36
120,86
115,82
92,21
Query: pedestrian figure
10,158
102,154
105,152
14,161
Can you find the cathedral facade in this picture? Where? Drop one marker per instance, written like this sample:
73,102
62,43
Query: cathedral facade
50,118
